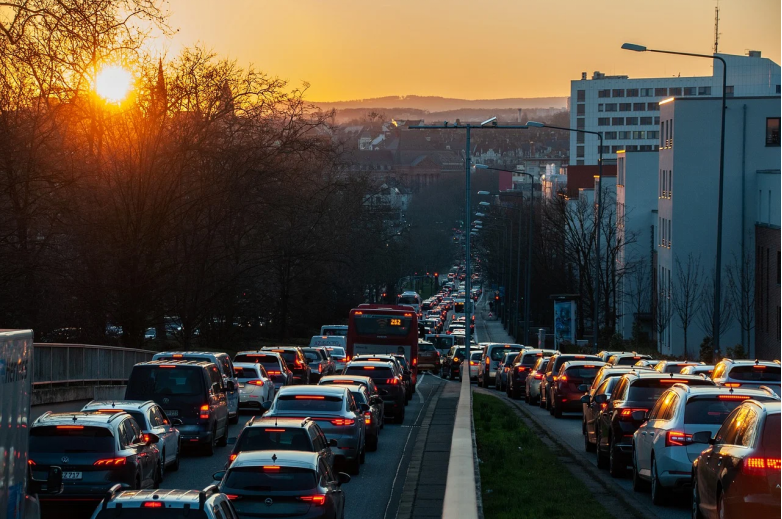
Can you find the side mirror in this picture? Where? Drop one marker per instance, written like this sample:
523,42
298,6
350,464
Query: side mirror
702,437
585,399
176,421
333,443
219,475
601,399
150,438
342,478
231,440
266,405
231,386
583,387
639,416
364,407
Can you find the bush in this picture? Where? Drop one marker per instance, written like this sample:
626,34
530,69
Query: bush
706,351
736,352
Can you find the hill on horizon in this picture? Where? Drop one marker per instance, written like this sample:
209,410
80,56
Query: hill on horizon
439,104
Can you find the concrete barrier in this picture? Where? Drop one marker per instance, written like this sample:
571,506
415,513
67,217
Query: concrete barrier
461,489
58,395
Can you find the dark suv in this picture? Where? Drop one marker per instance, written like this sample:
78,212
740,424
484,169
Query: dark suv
296,360
191,391
385,377
522,367
208,503
96,451
552,369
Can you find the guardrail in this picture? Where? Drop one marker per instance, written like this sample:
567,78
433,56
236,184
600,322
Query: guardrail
84,363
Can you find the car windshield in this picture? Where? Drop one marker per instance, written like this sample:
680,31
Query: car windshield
245,373
408,300
263,358
307,403
475,355
759,373
649,390
675,367
337,352
149,381
529,360
273,438
377,373
712,410
289,356
263,479
344,382
388,325
627,361
312,355
508,360
423,346
359,397
442,343
582,372
152,513
497,353
71,438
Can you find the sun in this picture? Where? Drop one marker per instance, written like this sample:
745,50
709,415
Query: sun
113,83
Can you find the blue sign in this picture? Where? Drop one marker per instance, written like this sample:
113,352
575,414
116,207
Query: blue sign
502,291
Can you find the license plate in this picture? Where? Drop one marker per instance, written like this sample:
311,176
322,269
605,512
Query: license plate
172,412
71,475
241,386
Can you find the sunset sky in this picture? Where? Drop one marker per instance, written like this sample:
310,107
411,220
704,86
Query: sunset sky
473,49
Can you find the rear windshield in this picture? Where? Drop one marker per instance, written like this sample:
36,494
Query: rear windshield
402,361
86,439
543,364
771,436
509,360
313,355
289,356
582,372
337,352
377,373
458,308
264,480
711,410
476,355
755,374
407,300
306,403
273,438
257,357
344,382
627,361
567,358
359,397
425,347
675,367
529,360
152,513
242,373
442,343
497,353
150,381
649,390
388,325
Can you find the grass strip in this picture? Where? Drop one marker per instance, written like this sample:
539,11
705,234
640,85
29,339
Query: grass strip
520,475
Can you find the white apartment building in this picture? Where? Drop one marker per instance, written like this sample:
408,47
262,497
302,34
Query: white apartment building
626,110
687,188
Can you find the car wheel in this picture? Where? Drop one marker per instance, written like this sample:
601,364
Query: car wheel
400,418
602,459
639,485
354,466
175,466
138,482
615,466
722,513
209,448
556,410
372,444
158,475
234,419
696,498
659,493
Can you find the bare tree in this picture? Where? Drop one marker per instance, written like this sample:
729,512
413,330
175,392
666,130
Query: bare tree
662,313
741,279
687,293
706,314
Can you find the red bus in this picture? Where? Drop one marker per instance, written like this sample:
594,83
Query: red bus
376,329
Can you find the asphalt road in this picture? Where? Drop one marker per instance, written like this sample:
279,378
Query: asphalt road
373,494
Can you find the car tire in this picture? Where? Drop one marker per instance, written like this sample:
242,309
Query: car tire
588,445
556,410
235,419
639,485
175,465
602,459
209,447
615,466
353,466
659,493
696,498
400,418
372,444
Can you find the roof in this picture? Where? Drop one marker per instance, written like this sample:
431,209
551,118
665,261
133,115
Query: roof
346,377
312,390
196,363
572,363
78,418
118,404
191,353
301,459
376,364
245,364
722,390
280,421
169,496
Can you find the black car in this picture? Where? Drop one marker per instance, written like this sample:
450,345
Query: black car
552,369
283,484
296,360
516,386
96,451
319,363
632,398
373,418
385,377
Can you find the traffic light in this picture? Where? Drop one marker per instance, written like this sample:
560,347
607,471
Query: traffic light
436,279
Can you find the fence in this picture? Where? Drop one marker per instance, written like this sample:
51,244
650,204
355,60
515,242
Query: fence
84,364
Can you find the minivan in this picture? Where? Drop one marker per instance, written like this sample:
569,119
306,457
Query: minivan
190,390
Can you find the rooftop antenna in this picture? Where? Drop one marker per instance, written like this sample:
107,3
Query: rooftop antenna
716,27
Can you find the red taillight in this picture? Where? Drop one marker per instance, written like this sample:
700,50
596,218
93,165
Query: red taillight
110,462
563,378
310,397
627,413
232,457
271,468
342,421
488,361
255,382
367,417
677,439
732,384
320,368
759,466
392,381
31,463
152,504
232,497
317,500
274,372
473,363
520,369
204,412
537,376
733,397
70,427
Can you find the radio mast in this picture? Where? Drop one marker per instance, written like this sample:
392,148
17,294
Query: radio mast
716,27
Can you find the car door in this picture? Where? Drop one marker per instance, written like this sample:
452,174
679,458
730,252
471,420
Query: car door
712,458
330,481
161,426
218,400
591,409
652,428
143,452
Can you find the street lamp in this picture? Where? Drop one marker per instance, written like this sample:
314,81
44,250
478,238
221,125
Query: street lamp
482,192
484,204
718,278
480,215
598,201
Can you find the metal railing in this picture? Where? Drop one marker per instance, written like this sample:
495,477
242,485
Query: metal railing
84,363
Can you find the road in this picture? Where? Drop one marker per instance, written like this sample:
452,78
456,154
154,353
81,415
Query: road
373,494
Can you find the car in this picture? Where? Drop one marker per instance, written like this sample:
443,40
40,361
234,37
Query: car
428,356
283,434
338,355
522,367
570,384
208,503
348,380
272,362
407,375
626,358
190,390
335,346
532,383
492,354
647,363
336,412
701,369
373,417
96,452
663,450
402,369
319,363
674,366
738,474
475,361
505,365
552,369
151,418
452,365
386,377
747,373
334,330
296,361
284,484
255,385
605,355
616,423
224,365
441,341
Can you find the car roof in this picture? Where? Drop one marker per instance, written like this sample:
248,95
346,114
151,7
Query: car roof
175,497
576,363
312,390
749,361
182,363
346,377
355,388
297,423
722,390
300,459
657,375
259,352
280,348
125,405
246,364
374,363
192,353
92,418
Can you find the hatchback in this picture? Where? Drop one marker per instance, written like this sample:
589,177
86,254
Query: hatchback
208,503
522,366
272,362
295,360
626,358
747,373
284,484
428,356
674,366
490,362
569,385
373,417
385,377
339,356
532,383
603,384
552,370
255,385
701,369
319,363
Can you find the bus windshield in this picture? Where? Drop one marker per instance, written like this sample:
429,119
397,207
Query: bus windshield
373,324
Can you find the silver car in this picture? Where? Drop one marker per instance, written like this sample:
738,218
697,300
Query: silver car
336,412
532,383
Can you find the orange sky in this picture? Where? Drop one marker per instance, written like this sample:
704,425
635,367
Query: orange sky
473,49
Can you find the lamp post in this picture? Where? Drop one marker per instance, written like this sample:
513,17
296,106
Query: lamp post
528,273
598,200
716,318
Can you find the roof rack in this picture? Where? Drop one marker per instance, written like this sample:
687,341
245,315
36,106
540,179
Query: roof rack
203,494
770,391
252,419
684,387
110,493
47,413
145,403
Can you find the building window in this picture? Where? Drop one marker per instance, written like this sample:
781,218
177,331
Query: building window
631,147
610,136
660,92
617,121
663,178
647,92
600,107
670,183
580,96
580,123
579,151
610,107
646,147
631,121
778,88
646,120
615,149
729,91
653,135
604,93
618,92
675,91
670,240
704,91
656,120
625,107
580,109
631,92
579,138
653,107
604,121
639,135
772,131
639,107
625,135
604,149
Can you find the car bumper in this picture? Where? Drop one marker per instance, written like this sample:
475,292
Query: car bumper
195,434
674,468
85,491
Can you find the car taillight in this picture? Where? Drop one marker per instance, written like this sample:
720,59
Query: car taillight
274,372
152,504
392,381
232,497
759,466
488,361
537,376
677,439
342,421
520,369
367,417
232,457
473,363
627,414
320,368
317,500
110,462
732,384
31,463
562,378
204,412
255,382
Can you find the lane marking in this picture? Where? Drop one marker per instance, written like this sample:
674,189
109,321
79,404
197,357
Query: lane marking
418,390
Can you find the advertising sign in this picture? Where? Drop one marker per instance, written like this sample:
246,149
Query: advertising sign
564,322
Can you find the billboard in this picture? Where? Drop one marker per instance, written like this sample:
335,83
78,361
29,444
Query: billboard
564,322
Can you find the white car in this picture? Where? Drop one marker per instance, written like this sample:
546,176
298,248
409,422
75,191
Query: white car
338,355
255,385
475,360
663,450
